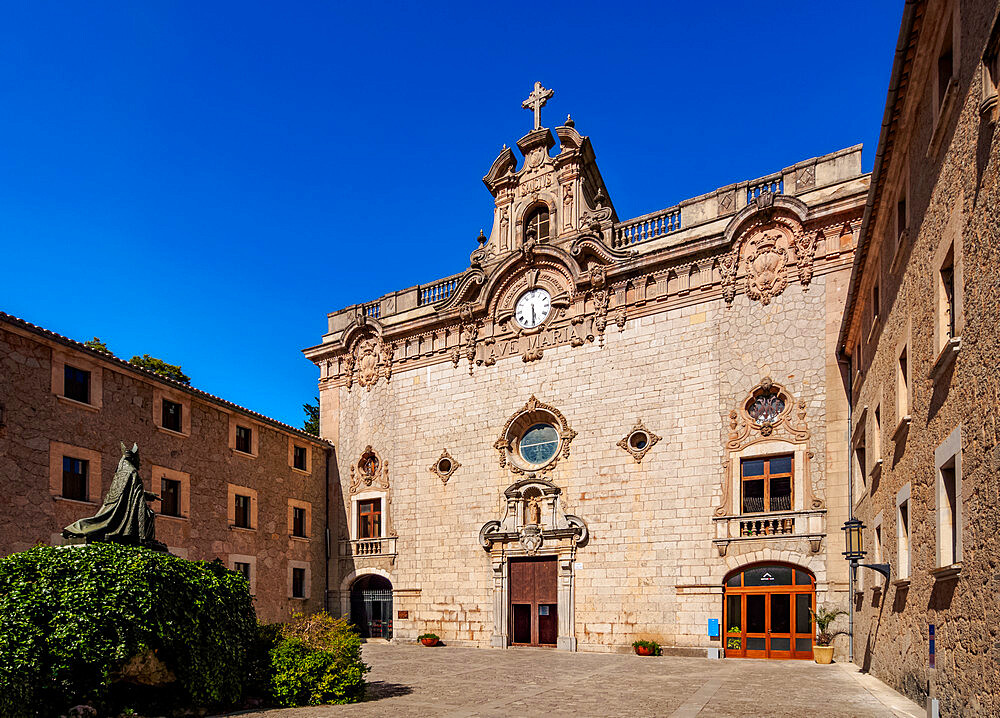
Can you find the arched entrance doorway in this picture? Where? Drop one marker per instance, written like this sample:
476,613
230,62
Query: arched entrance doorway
371,606
767,612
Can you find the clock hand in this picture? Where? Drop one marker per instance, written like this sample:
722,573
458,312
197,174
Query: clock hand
532,313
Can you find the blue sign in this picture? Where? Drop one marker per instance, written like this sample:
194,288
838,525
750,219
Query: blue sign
713,627
930,634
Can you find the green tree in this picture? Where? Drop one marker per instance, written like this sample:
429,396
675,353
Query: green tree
311,423
158,366
97,344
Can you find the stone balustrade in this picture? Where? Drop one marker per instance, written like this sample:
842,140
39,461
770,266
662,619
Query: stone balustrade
775,184
649,226
437,292
771,525
369,547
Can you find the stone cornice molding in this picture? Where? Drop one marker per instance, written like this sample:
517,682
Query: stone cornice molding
763,210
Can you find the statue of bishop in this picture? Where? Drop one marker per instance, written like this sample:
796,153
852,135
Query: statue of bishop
125,516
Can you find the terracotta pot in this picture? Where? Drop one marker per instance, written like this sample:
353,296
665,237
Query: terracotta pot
429,641
823,654
643,651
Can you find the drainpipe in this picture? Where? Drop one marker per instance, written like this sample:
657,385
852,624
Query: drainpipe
326,523
844,360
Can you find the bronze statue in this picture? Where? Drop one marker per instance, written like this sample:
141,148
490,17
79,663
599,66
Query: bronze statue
125,516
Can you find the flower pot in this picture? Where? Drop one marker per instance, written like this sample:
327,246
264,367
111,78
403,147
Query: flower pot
823,654
429,641
643,651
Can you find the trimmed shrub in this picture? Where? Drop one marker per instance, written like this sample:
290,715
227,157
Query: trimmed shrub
317,661
70,617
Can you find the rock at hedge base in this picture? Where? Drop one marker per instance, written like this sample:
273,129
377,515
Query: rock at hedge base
73,620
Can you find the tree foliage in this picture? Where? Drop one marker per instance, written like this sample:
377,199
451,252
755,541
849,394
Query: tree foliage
70,617
311,423
158,366
97,344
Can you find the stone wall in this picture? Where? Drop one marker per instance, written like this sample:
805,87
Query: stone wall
651,568
36,422
952,175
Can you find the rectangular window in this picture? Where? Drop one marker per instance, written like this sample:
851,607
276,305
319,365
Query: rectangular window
74,483
903,539
299,458
948,515
370,519
947,302
903,386
766,484
860,457
170,497
901,216
172,415
243,439
243,568
77,384
298,583
876,304
299,522
877,434
945,64
242,512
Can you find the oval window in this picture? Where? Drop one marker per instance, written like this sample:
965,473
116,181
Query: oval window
638,440
539,444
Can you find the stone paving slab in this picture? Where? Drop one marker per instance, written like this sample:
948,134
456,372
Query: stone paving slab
457,682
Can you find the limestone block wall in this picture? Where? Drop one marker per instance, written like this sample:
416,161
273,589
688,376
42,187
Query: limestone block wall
36,423
953,194
651,568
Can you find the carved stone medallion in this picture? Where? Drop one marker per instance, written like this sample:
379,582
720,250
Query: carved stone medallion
638,441
766,263
445,466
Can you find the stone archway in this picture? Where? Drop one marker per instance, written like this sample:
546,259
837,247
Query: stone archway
371,606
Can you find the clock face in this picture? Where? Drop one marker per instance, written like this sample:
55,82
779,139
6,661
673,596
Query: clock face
532,308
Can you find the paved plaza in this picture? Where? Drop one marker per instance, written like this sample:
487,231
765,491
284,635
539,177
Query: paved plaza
453,682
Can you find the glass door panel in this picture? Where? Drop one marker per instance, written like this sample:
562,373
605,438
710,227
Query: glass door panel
756,625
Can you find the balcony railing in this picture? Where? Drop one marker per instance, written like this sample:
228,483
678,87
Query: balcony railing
786,523
369,547
437,292
649,226
773,184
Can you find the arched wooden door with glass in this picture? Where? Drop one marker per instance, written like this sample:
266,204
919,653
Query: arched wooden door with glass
767,612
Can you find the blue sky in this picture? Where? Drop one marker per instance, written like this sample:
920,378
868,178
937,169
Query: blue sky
204,182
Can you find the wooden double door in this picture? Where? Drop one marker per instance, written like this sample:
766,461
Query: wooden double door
767,612
534,602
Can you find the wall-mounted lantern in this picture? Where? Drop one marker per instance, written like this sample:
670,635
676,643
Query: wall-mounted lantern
855,545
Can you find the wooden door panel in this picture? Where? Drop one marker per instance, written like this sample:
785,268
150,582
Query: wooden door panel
522,582
546,582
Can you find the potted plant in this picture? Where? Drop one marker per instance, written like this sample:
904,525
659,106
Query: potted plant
734,643
428,639
824,618
646,648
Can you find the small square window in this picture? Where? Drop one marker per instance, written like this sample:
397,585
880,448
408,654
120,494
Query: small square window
77,384
299,458
242,512
242,568
75,473
244,435
298,583
172,415
299,522
170,497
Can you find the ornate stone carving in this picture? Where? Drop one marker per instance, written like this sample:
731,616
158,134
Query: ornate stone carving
533,412
766,263
805,178
370,470
370,360
638,441
805,254
728,266
621,318
567,206
766,415
533,517
445,466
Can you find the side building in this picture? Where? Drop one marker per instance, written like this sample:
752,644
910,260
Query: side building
603,430
922,337
234,485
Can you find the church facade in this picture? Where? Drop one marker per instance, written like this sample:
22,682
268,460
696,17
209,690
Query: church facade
603,430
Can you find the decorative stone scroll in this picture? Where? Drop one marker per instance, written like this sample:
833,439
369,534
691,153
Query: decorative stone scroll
533,412
445,466
766,415
638,441
368,471
533,516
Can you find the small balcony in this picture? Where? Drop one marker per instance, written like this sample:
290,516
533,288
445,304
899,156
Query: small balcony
369,547
809,524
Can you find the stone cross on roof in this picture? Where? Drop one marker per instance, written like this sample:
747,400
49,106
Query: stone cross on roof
536,101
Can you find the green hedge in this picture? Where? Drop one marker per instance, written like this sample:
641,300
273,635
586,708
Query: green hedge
317,660
70,616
